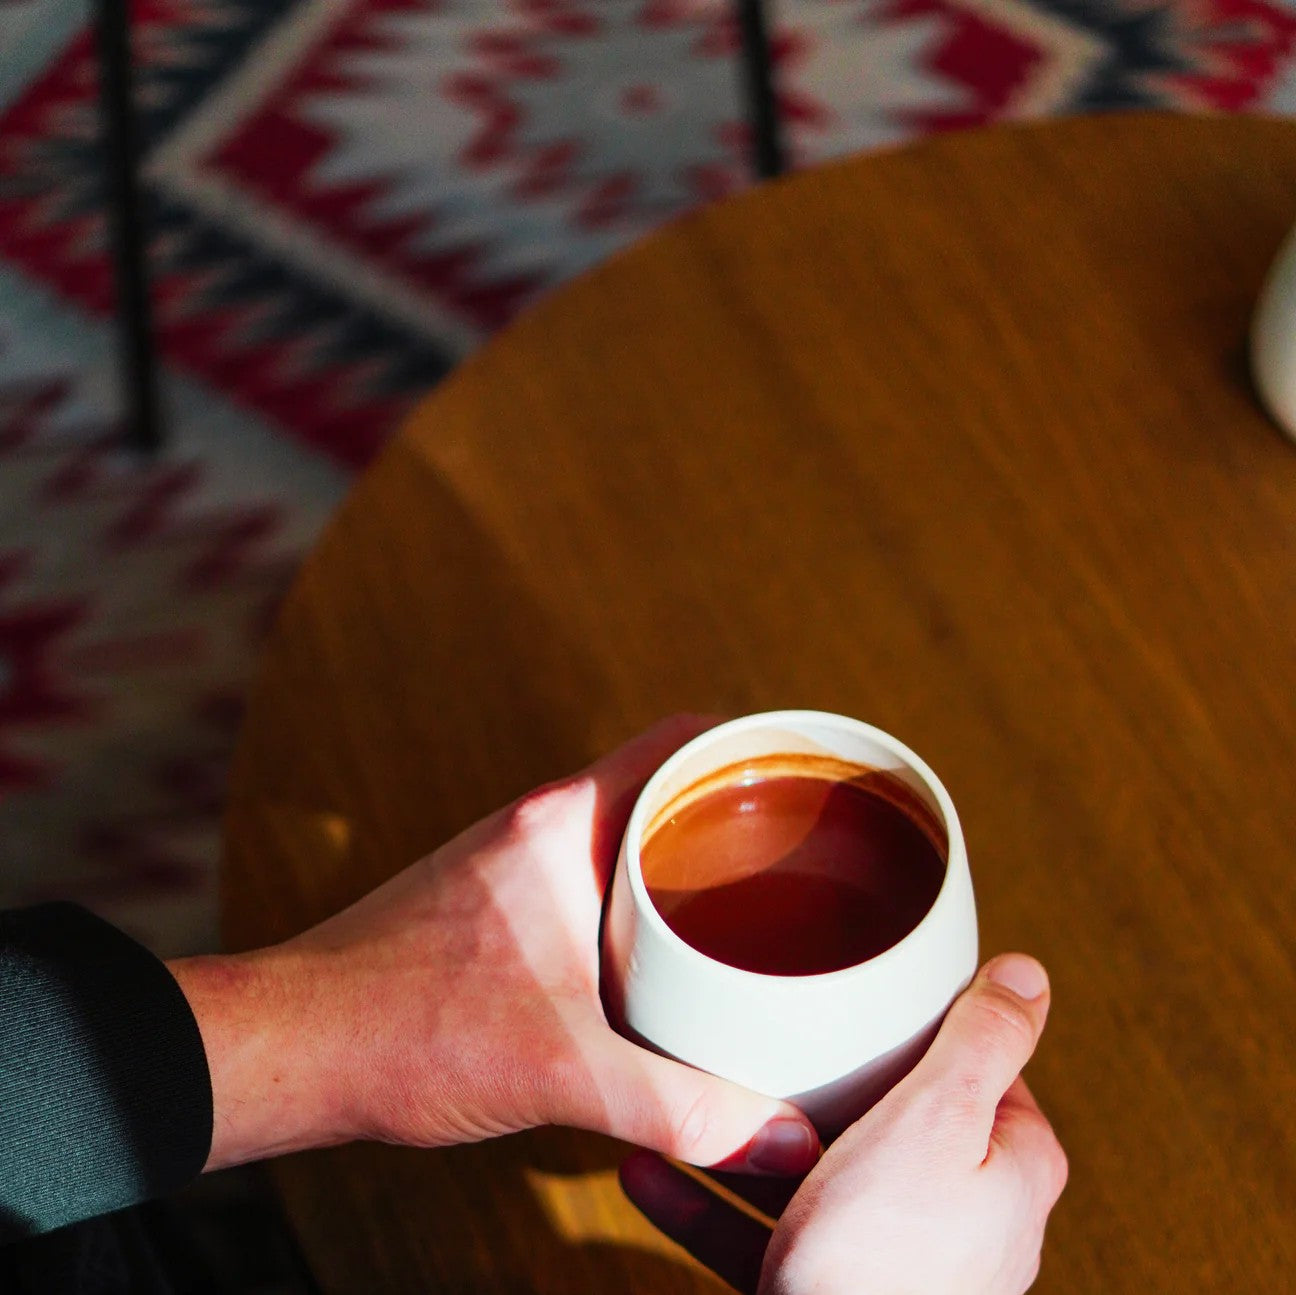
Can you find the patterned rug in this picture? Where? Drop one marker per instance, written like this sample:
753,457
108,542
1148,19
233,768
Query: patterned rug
346,196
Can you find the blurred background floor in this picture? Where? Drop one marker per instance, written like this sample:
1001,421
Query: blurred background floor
345,197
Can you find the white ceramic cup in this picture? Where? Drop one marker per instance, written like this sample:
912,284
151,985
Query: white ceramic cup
1273,339
832,1043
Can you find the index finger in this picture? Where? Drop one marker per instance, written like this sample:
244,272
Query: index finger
619,777
770,1194
714,1232
1023,1137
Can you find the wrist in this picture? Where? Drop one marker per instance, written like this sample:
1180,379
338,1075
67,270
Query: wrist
276,1073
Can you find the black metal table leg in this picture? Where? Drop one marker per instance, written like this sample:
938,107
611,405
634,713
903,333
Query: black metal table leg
766,136
126,225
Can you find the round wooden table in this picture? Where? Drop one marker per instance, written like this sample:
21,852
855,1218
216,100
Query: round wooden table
959,440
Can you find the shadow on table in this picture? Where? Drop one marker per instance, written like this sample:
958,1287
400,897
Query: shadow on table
536,1212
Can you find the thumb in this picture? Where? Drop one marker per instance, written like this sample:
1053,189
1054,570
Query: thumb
692,1116
987,1037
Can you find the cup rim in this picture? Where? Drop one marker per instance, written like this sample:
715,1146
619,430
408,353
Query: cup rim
955,859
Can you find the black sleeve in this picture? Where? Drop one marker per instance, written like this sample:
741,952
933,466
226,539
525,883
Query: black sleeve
105,1096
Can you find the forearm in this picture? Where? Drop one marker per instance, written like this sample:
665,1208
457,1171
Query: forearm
275,1060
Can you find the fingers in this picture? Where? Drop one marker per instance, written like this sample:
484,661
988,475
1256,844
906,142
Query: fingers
1018,1115
767,1193
626,769
712,1230
1024,1138
986,1039
1018,1097
619,776
684,1113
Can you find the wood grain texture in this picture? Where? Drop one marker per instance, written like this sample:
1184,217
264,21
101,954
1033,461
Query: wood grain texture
957,440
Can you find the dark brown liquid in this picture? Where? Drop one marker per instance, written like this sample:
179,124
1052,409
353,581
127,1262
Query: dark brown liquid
793,875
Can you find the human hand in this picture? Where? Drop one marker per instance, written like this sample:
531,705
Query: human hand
943,1188
460,1000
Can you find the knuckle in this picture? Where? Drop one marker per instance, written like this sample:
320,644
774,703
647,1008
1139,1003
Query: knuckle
934,1113
684,724
1032,1272
1002,1021
1045,1170
1059,1171
957,1101
567,1090
968,1091
689,1129
544,810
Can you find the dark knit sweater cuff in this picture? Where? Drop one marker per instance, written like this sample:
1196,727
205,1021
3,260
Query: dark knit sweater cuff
105,1095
